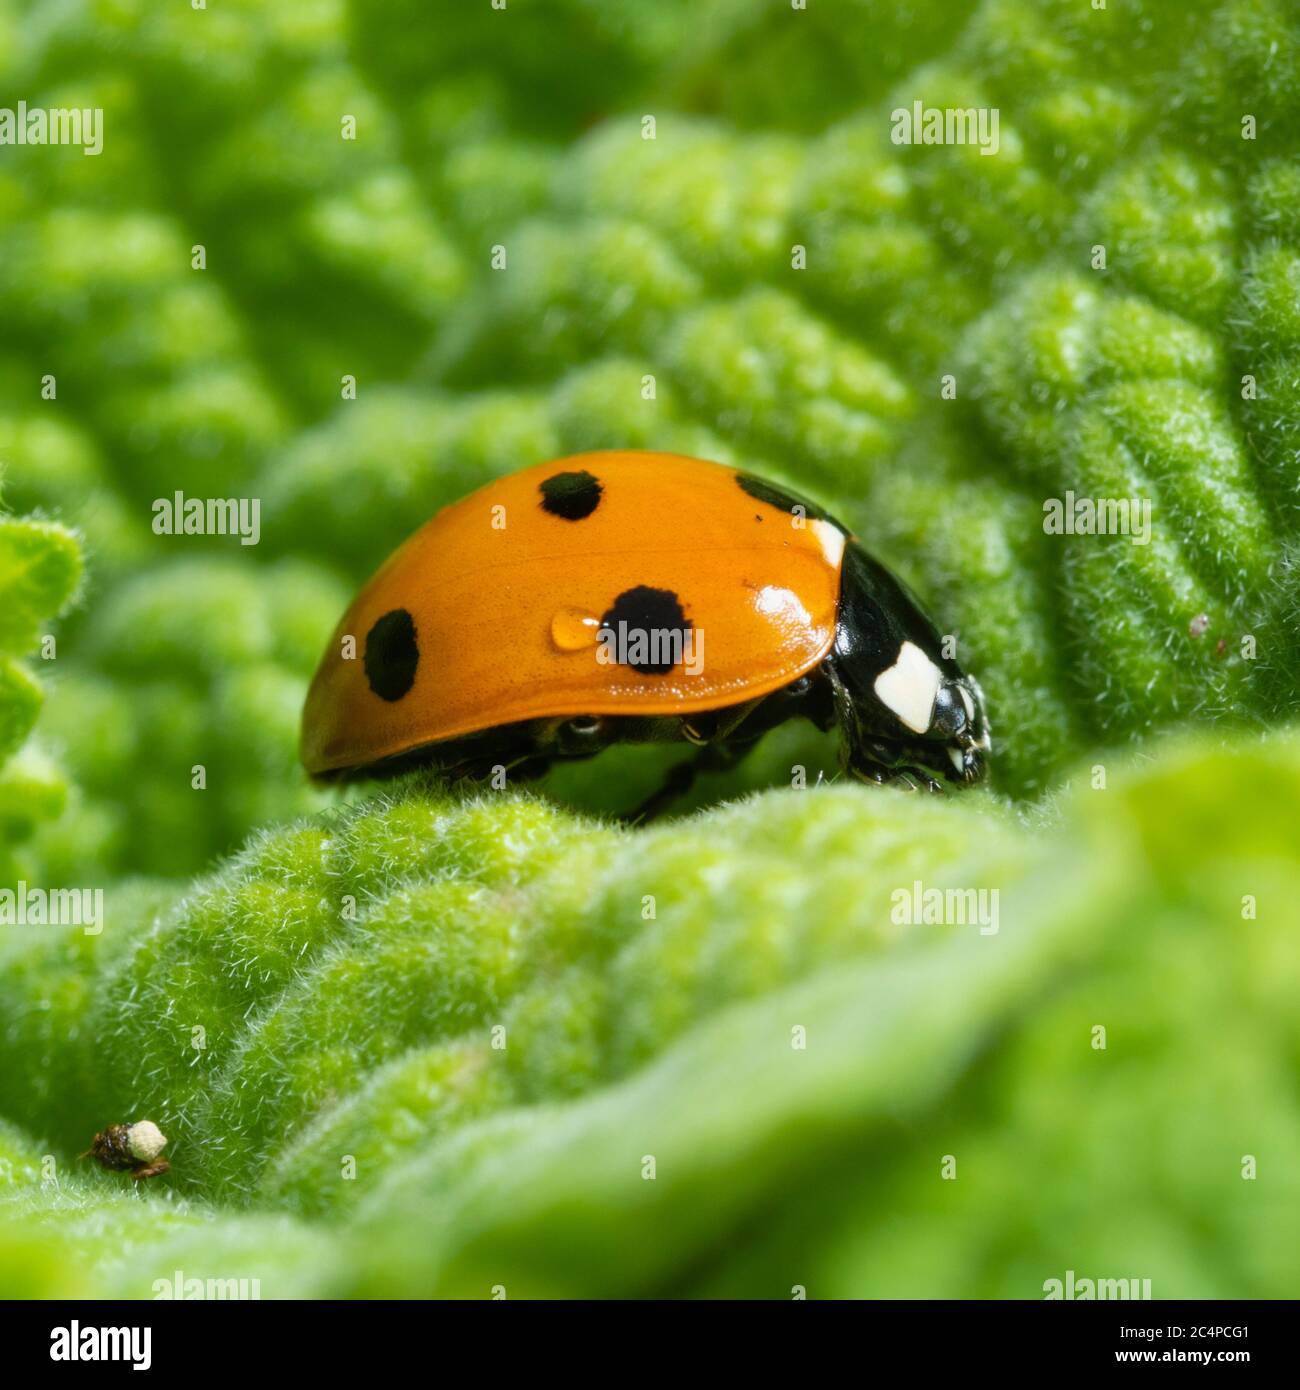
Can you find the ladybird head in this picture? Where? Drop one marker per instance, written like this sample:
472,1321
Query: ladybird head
909,702
959,723
926,710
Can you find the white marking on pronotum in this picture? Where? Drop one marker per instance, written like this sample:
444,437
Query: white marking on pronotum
958,760
909,686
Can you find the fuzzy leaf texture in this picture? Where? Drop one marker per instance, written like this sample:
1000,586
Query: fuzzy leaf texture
429,1042
40,570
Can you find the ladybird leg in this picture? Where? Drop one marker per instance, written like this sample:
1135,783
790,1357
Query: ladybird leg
716,757
869,758
718,727
867,769
679,780
916,778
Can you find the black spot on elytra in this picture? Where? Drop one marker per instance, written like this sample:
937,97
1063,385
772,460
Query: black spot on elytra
648,611
392,655
783,501
571,495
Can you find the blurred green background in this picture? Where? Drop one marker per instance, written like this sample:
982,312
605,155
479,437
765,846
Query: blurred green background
1166,135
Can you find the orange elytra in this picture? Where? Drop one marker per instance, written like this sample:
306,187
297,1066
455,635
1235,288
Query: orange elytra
639,596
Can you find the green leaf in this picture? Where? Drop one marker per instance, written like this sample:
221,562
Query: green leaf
424,1042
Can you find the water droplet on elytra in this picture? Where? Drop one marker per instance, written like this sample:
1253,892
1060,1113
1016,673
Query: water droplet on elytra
574,628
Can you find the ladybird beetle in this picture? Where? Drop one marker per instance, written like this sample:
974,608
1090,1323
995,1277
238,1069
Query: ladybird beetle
641,597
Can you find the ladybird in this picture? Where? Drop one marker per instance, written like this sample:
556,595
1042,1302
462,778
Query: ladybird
640,597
